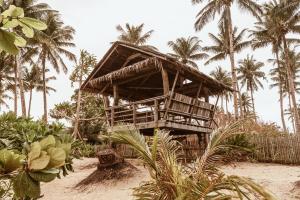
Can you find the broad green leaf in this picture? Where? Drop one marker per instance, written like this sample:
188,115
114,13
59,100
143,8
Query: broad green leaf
35,151
57,157
20,42
47,142
10,24
34,23
10,161
40,162
7,42
25,186
66,147
28,31
13,11
42,177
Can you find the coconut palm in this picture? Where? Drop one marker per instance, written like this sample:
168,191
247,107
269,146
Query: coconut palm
224,77
52,45
223,8
170,180
3,97
221,48
134,35
187,50
246,103
283,19
250,75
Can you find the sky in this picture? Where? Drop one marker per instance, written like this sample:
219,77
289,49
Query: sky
95,23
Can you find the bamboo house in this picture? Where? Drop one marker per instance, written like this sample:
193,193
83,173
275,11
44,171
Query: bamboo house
149,90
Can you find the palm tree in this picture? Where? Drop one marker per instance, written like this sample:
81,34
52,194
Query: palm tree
3,97
170,180
187,50
246,103
250,75
224,77
223,8
283,18
134,35
221,49
33,81
52,45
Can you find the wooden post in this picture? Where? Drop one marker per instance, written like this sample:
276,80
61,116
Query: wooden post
116,95
156,112
165,79
106,106
171,95
195,100
213,112
134,114
112,115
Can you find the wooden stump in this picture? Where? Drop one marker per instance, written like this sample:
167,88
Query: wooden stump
108,158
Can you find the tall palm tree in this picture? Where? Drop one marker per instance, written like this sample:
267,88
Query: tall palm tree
221,49
134,35
3,97
224,77
250,75
283,19
223,8
187,50
52,45
33,81
246,103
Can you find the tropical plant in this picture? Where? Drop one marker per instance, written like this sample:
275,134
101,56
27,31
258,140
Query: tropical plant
250,75
81,71
170,180
52,44
221,49
187,50
134,35
3,97
246,103
223,8
224,77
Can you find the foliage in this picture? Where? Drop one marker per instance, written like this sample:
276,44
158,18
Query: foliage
13,18
170,180
32,152
84,149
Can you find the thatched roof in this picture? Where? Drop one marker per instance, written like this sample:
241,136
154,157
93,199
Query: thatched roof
137,72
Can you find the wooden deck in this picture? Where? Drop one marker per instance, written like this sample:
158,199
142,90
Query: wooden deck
177,112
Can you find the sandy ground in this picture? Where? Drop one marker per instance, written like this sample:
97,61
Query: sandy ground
279,179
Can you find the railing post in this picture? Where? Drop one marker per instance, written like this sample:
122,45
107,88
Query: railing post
156,112
134,113
112,116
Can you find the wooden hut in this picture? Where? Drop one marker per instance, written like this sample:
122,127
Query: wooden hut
149,90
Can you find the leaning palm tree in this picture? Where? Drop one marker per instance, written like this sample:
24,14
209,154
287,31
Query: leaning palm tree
223,8
283,19
134,35
224,77
52,45
170,180
221,49
250,75
187,50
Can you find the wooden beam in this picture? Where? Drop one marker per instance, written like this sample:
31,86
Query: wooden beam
116,95
214,110
195,100
144,88
171,95
165,79
130,58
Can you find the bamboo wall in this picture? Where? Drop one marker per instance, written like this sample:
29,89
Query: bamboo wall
279,149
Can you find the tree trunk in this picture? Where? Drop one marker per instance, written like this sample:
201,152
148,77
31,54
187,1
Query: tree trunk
253,106
16,91
292,115
226,104
76,133
21,86
29,104
280,94
222,103
291,86
45,117
233,69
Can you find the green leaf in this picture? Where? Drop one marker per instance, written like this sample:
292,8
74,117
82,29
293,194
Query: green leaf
66,147
13,11
47,142
20,42
9,161
24,186
35,151
1,3
40,162
7,42
57,157
28,32
42,177
10,24
34,23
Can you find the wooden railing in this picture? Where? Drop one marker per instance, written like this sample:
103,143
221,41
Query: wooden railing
177,109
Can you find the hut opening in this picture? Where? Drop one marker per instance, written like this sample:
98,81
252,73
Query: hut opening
149,90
